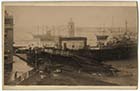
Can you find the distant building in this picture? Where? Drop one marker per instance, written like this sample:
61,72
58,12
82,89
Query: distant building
8,41
73,43
71,28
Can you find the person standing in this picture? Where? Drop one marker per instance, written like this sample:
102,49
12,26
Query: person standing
15,75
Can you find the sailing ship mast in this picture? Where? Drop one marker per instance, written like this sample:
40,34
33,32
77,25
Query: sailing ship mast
112,25
126,26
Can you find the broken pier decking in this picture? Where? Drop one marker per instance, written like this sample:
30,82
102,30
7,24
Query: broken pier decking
70,57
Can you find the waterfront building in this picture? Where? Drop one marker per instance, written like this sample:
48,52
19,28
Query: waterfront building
73,43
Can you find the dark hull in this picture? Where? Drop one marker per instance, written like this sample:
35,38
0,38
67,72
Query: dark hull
110,53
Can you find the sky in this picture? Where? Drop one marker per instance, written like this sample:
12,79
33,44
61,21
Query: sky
27,18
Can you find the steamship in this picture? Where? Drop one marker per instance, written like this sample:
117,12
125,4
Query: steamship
119,47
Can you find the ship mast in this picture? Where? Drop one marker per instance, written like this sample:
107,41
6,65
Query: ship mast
111,25
38,35
126,26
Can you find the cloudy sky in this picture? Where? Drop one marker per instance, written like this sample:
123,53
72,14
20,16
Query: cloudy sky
27,18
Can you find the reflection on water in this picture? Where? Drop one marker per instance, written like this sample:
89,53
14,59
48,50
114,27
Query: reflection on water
19,67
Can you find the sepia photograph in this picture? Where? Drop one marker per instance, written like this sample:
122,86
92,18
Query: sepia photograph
70,44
